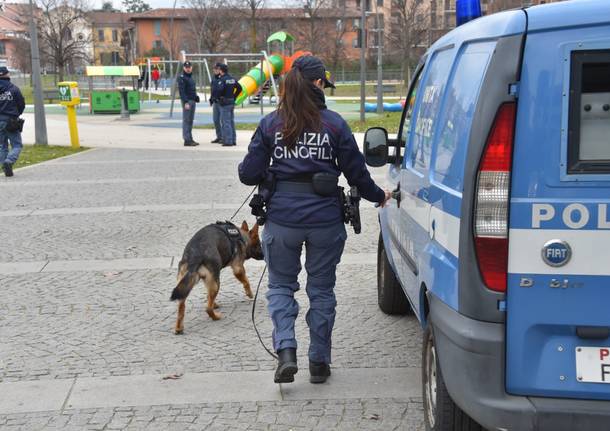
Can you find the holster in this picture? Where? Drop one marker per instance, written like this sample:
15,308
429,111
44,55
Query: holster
325,184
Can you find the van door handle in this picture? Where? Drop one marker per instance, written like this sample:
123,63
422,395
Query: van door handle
397,195
593,332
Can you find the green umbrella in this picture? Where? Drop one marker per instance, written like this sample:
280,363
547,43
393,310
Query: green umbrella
280,36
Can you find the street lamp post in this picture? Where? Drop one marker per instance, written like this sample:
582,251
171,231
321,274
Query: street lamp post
40,131
362,57
379,31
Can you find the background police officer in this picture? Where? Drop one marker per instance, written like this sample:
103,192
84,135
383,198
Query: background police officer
297,144
11,107
215,103
228,90
189,99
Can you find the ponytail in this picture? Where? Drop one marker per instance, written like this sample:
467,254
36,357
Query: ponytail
298,108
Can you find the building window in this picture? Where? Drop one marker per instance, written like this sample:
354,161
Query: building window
115,35
339,25
116,59
157,44
100,35
380,3
356,23
158,27
2,48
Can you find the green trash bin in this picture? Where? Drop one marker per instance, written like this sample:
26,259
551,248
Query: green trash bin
109,101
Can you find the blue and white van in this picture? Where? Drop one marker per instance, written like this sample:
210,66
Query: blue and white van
498,238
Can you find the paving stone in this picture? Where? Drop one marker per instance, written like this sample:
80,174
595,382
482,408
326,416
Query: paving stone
105,322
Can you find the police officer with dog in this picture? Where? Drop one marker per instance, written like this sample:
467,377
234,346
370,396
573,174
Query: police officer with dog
189,99
228,89
12,105
298,153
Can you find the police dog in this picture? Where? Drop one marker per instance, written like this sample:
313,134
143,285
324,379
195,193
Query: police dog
212,248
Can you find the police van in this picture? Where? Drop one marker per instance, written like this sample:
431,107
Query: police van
498,238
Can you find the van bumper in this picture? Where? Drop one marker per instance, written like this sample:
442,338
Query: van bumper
471,356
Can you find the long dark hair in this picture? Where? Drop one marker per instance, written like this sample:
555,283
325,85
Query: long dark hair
298,107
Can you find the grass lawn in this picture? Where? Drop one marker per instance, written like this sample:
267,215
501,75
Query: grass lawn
353,90
388,120
33,154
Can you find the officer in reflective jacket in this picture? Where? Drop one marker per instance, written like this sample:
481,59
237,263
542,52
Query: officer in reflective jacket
228,89
296,144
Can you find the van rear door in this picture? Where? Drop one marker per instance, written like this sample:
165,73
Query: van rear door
558,293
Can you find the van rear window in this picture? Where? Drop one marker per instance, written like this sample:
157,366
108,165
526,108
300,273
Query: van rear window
589,115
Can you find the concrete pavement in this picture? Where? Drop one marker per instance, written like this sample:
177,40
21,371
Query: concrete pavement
86,342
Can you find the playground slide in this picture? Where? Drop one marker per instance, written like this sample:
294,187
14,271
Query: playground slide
255,78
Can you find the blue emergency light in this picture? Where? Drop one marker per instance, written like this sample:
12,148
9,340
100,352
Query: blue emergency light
466,10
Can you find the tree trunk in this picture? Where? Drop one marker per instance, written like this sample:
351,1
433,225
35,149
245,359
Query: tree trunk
253,33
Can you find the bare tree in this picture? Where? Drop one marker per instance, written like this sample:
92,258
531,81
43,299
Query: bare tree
64,33
251,7
317,34
411,17
21,55
128,42
212,24
337,49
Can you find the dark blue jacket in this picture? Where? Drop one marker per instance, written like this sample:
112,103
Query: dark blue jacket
333,150
187,87
11,99
215,89
228,88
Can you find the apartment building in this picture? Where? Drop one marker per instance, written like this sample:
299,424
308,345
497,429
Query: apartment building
110,32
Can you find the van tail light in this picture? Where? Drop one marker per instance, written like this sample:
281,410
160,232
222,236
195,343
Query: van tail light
491,203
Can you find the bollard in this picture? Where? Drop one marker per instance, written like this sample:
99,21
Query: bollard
124,105
74,142
69,97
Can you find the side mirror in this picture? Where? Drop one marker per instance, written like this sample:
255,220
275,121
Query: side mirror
376,147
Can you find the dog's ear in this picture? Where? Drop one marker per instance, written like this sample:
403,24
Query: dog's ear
244,226
254,231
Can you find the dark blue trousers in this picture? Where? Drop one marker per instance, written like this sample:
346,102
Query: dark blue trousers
282,246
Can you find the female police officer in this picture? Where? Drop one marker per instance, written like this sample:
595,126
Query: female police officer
305,147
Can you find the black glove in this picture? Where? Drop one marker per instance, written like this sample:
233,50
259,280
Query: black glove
197,99
211,102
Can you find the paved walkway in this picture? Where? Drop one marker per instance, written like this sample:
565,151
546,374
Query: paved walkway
87,263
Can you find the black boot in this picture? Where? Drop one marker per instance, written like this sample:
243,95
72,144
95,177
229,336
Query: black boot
8,169
319,372
216,141
287,366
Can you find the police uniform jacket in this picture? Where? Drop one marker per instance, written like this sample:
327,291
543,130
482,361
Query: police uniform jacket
332,150
187,87
228,89
11,100
216,89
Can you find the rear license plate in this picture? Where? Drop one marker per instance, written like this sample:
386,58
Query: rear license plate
593,364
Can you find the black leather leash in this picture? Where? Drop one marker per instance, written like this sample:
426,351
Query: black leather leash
258,286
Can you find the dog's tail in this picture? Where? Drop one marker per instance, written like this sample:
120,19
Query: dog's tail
184,286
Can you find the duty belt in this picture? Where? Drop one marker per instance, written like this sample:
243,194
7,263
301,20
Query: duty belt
294,187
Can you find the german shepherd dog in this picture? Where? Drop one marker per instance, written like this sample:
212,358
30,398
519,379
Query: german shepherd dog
214,247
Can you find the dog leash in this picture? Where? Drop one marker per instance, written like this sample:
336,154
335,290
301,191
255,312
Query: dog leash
260,280
273,355
243,203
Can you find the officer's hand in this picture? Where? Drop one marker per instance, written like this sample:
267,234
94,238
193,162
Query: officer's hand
197,99
187,106
388,196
